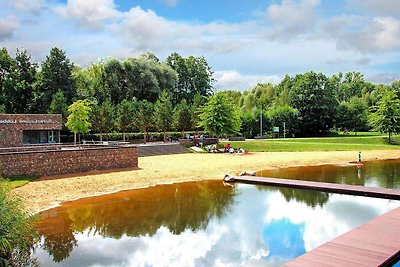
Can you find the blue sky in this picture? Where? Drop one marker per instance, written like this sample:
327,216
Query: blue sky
245,42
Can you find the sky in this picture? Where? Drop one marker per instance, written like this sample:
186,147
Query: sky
244,41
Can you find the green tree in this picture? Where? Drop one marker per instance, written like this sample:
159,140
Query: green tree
284,115
102,118
56,75
7,64
59,105
163,113
78,120
144,117
194,76
125,116
220,117
249,124
352,115
198,102
19,93
385,117
313,96
183,116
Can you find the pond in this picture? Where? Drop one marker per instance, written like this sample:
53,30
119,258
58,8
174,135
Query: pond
384,173
198,224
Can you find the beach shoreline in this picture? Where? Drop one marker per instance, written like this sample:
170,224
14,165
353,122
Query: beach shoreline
46,193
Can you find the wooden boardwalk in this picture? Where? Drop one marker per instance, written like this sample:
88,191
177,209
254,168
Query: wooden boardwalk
376,243
327,187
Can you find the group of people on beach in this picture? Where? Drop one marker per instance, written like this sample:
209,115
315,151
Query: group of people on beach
229,149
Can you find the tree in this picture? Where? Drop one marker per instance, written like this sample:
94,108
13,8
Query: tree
125,116
115,80
249,124
144,117
313,96
163,113
22,78
386,115
194,76
102,118
78,120
59,105
284,115
183,116
56,75
352,115
220,117
7,64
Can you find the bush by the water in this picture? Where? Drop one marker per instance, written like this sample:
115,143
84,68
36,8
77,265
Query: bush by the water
17,233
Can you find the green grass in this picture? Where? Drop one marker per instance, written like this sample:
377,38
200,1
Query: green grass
17,181
354,143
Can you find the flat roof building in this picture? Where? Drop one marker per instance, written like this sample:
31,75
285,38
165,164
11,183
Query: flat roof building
29,129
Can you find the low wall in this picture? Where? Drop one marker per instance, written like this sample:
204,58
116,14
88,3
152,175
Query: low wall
68,160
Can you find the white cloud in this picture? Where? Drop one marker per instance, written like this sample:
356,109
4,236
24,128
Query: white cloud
144,29
291,18
384,78
376,7
8,26
363,34
27,5
233,80
89,13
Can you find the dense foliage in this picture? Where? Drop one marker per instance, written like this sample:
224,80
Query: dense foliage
17,234
144,94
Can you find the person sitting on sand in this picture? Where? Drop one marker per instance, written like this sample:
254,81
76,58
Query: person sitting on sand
226,148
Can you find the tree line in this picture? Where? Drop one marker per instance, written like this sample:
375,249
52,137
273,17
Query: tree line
144,93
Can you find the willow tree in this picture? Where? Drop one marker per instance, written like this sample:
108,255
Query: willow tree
78,119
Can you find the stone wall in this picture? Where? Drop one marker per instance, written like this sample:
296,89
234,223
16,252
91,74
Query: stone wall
12,126
68,160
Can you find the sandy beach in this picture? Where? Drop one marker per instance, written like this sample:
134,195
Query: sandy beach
46,193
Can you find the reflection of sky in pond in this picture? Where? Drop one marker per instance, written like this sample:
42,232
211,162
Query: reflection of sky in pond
261,228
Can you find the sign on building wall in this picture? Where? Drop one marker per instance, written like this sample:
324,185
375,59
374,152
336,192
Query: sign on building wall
11,121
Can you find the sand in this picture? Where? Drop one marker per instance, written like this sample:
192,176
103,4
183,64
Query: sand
157,170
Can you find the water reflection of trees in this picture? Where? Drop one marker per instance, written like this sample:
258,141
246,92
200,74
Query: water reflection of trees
384,173
135,213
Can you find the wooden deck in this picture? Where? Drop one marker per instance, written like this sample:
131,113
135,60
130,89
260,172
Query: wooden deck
327,187
376,243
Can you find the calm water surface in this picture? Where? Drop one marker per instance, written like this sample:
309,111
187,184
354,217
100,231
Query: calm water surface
374,173
198,224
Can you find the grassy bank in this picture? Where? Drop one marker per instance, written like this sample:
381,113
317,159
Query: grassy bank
342,143
16,181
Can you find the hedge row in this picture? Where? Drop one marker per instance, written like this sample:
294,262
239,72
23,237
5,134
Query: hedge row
133,137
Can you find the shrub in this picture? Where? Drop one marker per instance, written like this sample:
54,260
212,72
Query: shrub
17,233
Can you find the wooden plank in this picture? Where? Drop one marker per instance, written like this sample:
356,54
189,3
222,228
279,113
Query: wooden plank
371,244
319,186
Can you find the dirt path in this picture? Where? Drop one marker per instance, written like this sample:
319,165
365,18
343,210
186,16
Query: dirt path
44,194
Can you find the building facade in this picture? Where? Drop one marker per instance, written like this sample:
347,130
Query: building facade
29,129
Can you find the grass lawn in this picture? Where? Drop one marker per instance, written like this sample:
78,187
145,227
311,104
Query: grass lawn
342,143
17,181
